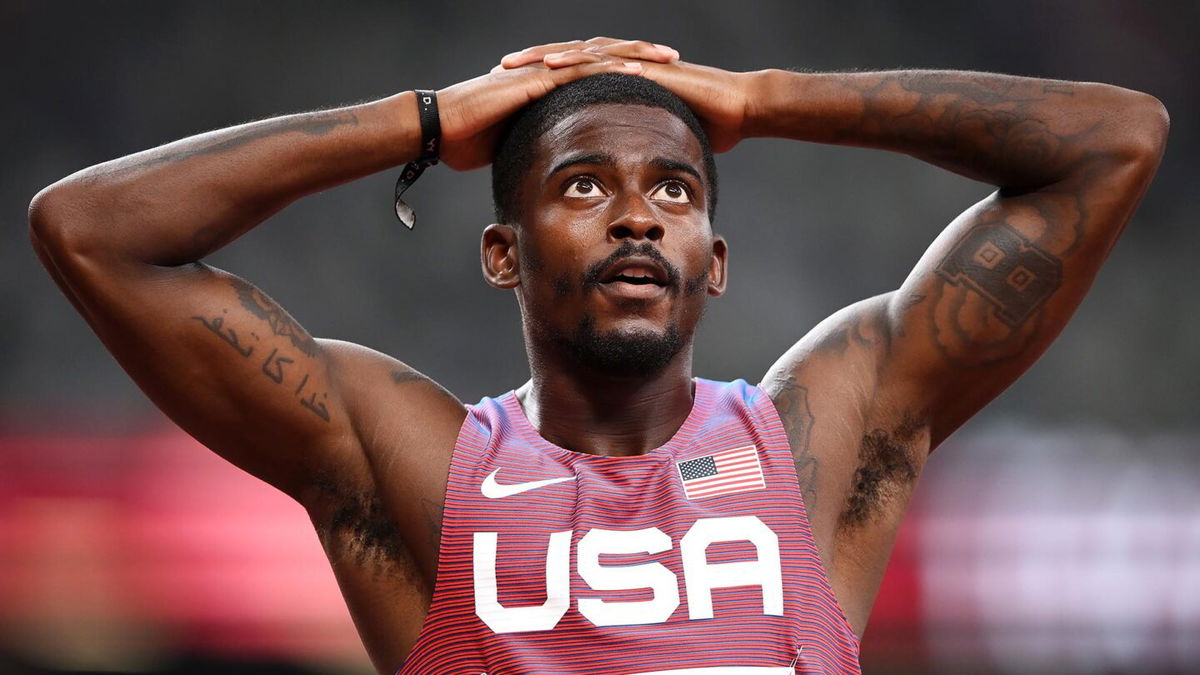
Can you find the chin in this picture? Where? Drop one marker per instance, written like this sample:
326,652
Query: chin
625,351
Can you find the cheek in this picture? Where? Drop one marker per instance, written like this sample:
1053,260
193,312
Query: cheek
547,274
697,285
563,285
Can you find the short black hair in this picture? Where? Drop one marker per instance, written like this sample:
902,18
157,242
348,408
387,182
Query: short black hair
514,151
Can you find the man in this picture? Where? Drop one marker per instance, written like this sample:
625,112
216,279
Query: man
614,514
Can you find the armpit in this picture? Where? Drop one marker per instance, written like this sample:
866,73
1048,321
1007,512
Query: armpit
888,465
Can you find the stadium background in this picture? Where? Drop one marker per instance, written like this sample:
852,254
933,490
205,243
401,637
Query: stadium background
1057,532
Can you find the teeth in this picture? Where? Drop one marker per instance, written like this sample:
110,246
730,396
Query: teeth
635,275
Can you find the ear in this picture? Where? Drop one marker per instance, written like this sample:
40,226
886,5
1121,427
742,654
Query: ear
498,255
718,268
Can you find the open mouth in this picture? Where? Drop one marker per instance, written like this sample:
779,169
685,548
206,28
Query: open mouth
637,271
638,279
635,277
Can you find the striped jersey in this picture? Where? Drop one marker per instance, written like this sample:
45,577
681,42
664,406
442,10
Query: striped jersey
695,558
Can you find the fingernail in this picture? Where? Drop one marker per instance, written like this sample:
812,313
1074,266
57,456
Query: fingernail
636,67
669,50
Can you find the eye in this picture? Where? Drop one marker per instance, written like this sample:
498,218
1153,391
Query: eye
672,191
583,186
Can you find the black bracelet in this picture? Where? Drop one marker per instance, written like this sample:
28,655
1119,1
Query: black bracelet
431,141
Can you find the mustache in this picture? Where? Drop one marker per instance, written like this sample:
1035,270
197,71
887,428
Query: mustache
629,250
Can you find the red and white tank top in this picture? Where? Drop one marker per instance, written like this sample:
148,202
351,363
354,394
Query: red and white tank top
693,559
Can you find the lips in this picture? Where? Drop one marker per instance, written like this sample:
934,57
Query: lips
635,279
636,271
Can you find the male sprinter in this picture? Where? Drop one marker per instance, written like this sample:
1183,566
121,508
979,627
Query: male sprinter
613,514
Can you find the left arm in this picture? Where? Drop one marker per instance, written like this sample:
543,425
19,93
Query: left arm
1071,161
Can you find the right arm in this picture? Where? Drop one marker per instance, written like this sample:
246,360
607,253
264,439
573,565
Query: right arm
124,240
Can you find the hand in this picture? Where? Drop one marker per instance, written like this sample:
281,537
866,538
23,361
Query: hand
561,54
473,112
719,98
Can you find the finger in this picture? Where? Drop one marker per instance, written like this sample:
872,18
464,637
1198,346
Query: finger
537,52
561,76
659,53
639,49
571,58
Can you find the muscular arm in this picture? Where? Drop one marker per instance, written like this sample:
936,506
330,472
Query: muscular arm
1071,161
887,379
124,239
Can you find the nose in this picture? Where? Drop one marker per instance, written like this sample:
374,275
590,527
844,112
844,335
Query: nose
635,220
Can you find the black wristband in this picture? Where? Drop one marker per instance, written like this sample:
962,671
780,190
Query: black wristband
431,145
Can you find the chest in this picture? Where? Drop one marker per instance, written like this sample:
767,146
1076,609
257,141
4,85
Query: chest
658,539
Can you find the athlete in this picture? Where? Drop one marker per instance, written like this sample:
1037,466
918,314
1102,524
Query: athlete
614,514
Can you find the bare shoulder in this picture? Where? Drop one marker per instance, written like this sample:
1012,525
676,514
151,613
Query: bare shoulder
407,425
373,379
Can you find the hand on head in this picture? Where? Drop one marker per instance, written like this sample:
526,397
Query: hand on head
473,112
595,50
719,98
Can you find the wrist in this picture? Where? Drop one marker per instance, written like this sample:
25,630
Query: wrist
399,126
764,89
811,107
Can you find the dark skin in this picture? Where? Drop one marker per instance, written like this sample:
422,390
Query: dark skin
641,178
363,441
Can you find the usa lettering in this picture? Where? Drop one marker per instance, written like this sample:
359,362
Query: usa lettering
700,576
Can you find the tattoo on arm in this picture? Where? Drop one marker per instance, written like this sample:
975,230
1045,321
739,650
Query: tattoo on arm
991,287
262,306
318,123
988,127
797,420
850,333
217,326
275,366
403,376
996,262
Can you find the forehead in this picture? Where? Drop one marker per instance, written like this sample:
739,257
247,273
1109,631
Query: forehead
631,133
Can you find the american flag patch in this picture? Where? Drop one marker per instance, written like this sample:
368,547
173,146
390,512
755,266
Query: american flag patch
724,473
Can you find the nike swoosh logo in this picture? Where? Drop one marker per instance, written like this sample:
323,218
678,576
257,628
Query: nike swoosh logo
493,490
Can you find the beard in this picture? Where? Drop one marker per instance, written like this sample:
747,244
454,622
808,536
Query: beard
623,354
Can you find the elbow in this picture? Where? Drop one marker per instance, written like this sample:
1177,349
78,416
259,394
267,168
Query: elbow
46,216
1144,125
1153,126
58,220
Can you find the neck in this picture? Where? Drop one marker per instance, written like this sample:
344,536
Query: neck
599,414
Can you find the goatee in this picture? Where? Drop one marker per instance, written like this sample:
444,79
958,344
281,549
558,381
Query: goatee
622,354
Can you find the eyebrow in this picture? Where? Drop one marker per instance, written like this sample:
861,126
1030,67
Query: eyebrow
604,159
600,158
664,164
